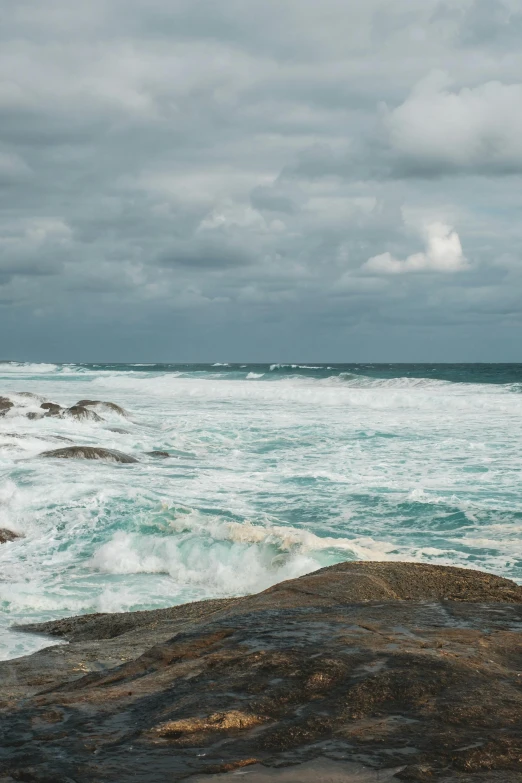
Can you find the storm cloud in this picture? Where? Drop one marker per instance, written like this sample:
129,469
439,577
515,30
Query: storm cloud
285,180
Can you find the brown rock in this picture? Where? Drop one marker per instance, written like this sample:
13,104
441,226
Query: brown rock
8,535
5,405
82,413
109,405
89,452
159,454
52,408
406,670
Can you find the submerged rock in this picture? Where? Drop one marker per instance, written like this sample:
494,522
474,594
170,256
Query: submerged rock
34,415
52,408
89,452
8,535
158,454
109,405
407,669
82,413
5,405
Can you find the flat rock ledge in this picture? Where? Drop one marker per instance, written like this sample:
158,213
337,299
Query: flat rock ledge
357,673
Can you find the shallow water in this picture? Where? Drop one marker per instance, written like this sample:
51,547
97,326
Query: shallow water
276,470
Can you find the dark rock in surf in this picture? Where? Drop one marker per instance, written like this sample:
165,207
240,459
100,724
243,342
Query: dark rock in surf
29,395
119,430
159,454
109,405
8,535
82,414
410,669
5,405
52,408
33,415
89,452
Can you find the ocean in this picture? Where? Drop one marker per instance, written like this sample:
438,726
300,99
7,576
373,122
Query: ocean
275,471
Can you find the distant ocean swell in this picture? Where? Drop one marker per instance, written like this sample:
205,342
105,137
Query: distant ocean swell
274,470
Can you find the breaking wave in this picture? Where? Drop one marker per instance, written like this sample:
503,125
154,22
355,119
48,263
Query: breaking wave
271,473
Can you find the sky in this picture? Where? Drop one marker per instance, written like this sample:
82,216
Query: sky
192,180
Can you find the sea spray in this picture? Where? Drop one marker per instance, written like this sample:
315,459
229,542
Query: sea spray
271,474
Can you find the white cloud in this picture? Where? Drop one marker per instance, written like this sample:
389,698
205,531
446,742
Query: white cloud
478,127
443,254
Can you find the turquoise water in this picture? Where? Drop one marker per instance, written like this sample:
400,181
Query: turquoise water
276,470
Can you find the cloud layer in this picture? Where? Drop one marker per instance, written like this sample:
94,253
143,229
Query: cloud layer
477,130
263,180
443,254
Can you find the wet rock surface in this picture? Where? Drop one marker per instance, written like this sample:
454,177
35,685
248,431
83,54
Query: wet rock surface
8,535
82,410
409,672
52,408
5,405
82,413
34,415
112,406
89,452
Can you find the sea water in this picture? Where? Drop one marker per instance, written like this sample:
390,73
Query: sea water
275,471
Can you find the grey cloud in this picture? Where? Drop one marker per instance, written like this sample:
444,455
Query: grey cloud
236,165
440,129
272,199
491,23
204,255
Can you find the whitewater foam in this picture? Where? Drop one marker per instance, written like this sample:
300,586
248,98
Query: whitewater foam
271,475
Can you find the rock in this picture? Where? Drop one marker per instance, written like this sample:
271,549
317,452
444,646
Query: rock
109,405
52,408
404,669
82,413
8,535
365,581
47,437
89,452
159,454
5,405
33,415
120,430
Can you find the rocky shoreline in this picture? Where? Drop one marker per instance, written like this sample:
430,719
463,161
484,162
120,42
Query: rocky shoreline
357,672
35,408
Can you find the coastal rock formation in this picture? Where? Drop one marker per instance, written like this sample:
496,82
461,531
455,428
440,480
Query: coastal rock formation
89,452
409,670
8,535
158,454
82,413
52,408
5,405
109,405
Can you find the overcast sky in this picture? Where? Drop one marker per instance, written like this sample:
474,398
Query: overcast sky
247,180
